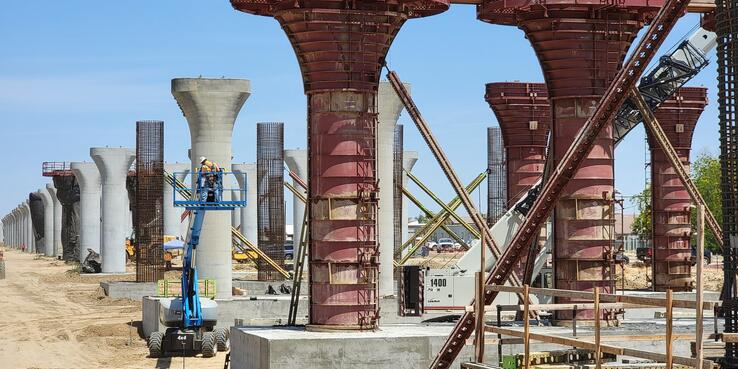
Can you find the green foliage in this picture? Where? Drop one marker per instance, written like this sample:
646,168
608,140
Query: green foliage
642,221
706,175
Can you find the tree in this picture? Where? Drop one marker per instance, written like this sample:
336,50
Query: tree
706,175
642,221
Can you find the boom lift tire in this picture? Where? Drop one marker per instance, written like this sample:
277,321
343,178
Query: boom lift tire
209,348
155,344
221,338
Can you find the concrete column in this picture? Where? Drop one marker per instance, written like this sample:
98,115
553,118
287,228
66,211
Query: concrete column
27,226
210,107
409,158
236,214
90,189
113,165
296,161
58,249
2,230
390,106
249,213
172,214
48,231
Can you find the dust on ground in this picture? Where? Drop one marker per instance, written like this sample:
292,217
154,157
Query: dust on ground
637,275
55,318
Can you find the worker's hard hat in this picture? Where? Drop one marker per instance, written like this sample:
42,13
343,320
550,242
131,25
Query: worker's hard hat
202,159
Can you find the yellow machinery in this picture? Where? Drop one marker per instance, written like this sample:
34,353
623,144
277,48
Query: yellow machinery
168,254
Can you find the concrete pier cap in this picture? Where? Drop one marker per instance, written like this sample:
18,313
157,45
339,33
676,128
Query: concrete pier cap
296,161
249,213
48,231
389,107
211,107
90,192
172,214
113,165
57,221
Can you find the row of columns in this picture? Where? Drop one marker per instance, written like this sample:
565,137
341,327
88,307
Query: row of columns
210,107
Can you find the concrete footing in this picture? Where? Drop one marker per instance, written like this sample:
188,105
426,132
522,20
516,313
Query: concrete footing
392,347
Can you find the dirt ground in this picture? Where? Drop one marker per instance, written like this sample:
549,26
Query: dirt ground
53,318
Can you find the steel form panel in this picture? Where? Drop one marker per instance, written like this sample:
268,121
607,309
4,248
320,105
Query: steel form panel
670,209
341,48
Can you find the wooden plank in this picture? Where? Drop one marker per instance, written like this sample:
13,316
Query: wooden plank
526,326
598,347
729,337
700,284
669,329
606,297
567,341
558,307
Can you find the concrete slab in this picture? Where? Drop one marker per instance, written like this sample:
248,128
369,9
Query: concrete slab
128,290
392,347
252,311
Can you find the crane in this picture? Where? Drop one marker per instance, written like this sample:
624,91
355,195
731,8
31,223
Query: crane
191,320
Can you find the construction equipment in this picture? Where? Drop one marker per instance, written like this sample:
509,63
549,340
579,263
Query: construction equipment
167,255
191,320
452,288
239,240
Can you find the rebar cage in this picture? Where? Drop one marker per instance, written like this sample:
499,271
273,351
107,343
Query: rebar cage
397,196
149,201
270,197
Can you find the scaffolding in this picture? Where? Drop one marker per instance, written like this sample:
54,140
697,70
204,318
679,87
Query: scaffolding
148,205
497,181
726,28
397,188
270,197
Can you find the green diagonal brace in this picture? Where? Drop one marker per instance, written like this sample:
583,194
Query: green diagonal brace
445,207
436,222
430,214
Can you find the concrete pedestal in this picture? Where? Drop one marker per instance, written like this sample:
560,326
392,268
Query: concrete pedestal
391,347
90,190
57,221
113,165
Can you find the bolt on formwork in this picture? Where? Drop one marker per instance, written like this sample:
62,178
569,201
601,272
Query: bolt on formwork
397,197
341,48
149,201
726,28
670,209
601,36
497,179
270,182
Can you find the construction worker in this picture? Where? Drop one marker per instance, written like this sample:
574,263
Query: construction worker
207,166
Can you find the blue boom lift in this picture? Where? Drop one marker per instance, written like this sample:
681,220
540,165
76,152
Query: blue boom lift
190,320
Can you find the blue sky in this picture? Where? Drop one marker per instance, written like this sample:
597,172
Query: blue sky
78,74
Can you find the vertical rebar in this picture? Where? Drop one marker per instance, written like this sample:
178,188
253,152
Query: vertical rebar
270,197
726,27
397,185
149,201
497,180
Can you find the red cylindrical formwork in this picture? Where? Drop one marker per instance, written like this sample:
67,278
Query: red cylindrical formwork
341,48
524,115
580,45
670,209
